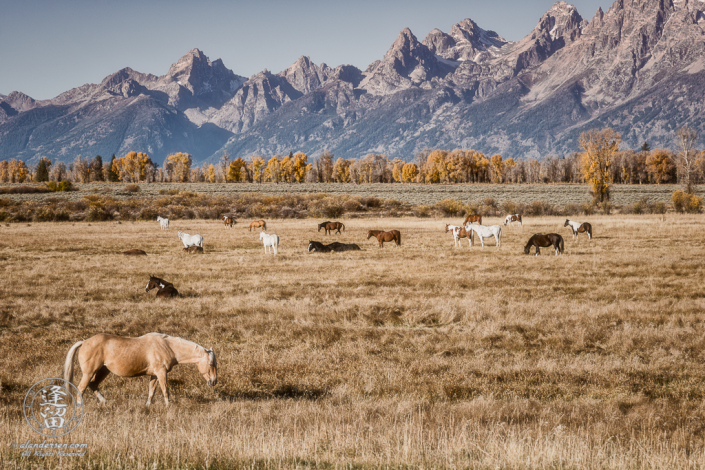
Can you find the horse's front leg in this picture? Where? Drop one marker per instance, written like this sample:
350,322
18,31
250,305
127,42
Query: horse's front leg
161,376
152,388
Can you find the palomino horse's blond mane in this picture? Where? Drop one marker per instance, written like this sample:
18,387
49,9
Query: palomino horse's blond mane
210,353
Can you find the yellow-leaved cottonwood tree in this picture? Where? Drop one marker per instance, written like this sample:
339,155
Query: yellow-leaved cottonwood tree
599,146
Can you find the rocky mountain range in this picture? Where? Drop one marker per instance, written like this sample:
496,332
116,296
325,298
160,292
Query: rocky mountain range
639,67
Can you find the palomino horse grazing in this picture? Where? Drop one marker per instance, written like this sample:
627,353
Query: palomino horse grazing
163,223
541,240
335,246
458,233
511,218
578,227
472,219
258,223
330,226
166,289
228,221
153,354
483,232
392,235
191,240
270,241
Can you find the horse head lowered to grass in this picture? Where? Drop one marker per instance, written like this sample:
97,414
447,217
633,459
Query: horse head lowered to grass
153,354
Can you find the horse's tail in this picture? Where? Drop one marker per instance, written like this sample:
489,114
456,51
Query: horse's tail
589,230
499,237
343,226
68,365
561,247
399,239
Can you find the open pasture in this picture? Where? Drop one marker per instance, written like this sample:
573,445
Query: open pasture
424,355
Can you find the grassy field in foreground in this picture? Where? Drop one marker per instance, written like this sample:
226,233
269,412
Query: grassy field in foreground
557,194
423,356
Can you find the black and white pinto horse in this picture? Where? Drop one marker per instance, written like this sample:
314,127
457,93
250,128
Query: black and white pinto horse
579,227
335,246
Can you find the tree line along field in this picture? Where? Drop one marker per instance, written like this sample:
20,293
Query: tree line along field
423,356
558,194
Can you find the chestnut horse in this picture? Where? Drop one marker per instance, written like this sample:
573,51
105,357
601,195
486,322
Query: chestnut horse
541,240
330,226
458,233
228,221
258,223
472,219
153,354
578,227
166,289
392,235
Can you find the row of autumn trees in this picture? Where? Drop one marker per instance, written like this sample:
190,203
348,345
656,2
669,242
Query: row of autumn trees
600,163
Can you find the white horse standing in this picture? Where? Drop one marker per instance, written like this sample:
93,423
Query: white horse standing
190,240
271,241
163,223
483,231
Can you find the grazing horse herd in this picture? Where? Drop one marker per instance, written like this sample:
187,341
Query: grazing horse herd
155,354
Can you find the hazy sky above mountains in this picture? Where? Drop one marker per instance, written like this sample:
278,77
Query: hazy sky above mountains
48,47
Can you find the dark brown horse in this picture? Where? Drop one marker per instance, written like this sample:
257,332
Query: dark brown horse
166,289
392,235
541,240
473,219
330,226
335,246
258,223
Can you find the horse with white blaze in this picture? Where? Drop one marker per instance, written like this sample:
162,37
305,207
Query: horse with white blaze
483,231
163,223
190,240
270,241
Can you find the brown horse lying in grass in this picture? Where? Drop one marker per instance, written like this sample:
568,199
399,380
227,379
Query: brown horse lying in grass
258,223
134,252
153,354
166,289
392,235
541,240
329,226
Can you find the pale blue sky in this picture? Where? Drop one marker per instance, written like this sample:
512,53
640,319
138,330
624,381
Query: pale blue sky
49,46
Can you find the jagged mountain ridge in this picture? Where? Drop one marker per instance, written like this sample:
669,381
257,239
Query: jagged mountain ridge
639,67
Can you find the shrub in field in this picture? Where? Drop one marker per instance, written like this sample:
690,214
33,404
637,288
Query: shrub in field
148,214
605,207
658,208
4,215
97,214
132,188
587,208
508,207
24,190
538,208
640,206
352,205
45,215
61,216
572,209
370,202
684,202
59,186
422,210
450,208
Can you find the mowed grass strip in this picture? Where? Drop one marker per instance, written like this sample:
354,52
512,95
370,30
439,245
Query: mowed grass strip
424,355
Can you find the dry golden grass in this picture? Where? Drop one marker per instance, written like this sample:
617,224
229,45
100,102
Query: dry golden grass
420,356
